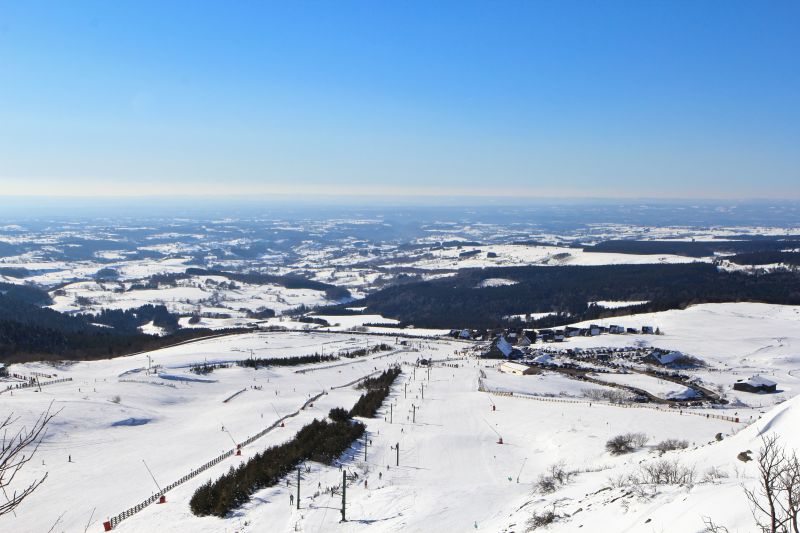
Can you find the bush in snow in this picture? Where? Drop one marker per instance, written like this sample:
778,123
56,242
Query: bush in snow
664,472
612,395
541,520
626,443
116,399
556,476
669,445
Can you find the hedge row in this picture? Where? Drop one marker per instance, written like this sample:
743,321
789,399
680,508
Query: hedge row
320,441
378,389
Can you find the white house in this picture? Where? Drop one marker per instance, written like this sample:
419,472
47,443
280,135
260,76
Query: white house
518,369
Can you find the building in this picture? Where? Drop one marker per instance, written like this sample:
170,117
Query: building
647,330
546,335
502,349
3,371
527,338
518,369
755,384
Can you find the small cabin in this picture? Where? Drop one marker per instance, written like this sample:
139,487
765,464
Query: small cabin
755,384
518,369
647,330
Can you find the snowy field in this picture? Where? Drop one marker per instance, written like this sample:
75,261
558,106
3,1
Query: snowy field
453,474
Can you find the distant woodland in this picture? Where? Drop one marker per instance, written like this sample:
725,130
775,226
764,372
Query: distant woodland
567,291
30,332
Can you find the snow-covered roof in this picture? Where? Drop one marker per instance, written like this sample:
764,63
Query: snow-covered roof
504,346
510,365
667,358
759,381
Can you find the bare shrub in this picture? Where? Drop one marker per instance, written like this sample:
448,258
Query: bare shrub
116,399
542,519
664,472
711,527
775,502
557,475
612,395
546,484
626,443
16,450
669,445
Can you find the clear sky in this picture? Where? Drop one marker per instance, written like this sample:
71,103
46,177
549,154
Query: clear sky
685,99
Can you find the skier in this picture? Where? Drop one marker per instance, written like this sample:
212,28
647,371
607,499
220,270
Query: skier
291,499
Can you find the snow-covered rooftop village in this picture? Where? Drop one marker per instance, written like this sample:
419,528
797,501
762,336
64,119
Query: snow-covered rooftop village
454,374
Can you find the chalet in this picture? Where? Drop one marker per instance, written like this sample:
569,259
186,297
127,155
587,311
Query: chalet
594,330
647,330
465,334
616,330
518,369
633,331
558,335
502,349
547,335
527,338
755,384
573,331
3,371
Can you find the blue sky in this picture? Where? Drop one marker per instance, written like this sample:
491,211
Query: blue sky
681,99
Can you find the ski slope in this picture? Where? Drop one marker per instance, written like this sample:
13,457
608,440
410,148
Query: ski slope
116,415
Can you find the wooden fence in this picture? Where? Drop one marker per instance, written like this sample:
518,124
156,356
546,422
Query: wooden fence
551,399
114,521
33,384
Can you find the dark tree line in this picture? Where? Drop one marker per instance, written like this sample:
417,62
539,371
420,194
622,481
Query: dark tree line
320,441
258,362
332,292
567,290
361,352
131,319
766,258
378,389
